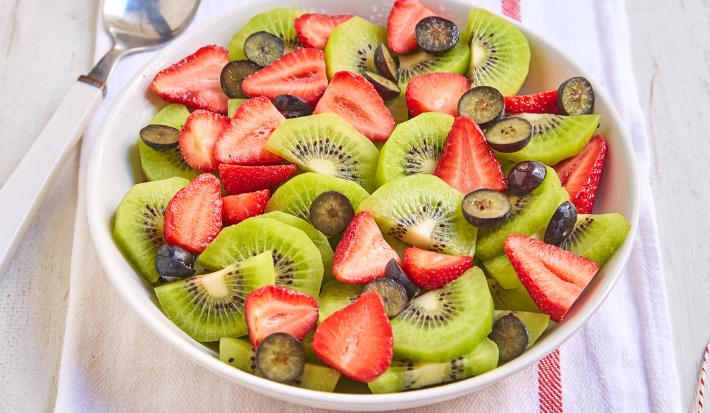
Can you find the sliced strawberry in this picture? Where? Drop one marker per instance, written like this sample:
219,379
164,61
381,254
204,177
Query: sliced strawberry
356,340
543,102
435,92
300,73
581,175
193,217
468,163
431,270
198,136
554,277
403,19
314,29
362,254
237,208
275,309
194,81
239,179
354,99
243,140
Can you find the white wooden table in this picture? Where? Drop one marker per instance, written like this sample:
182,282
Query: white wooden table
44,45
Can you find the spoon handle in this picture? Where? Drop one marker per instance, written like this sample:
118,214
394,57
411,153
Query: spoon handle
24,190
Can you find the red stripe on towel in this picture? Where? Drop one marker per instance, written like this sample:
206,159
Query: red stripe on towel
511,8
698,398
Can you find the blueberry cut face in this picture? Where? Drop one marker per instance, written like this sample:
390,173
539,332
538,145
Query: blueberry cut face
232,76
263,48
280,357
395,272
174,263
292,106
392,292
160,137
436,35
511,337
331,212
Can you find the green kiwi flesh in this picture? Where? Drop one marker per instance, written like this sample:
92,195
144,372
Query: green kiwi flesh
414,147
336,295
403,375
398,108
318,238
444,323
424,211
351,46
500,53
278,22
502,270
517,299
326,144
597,236
554,137
296,195
297,261
233,105
138,227
157,165
211,306
530,214
239,353
420,62
536,323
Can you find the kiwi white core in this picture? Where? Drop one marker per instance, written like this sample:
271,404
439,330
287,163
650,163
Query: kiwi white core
478,53
215,285
429,166
430,373
420,235
323,166
428,302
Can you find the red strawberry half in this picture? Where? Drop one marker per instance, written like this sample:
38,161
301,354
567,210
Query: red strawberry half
239,179
543,102
554,277
300,73
243,140
356,340
194,81
354,99
314,29
193,217
402,20
237,208
198,137
580,175
468,163
362,254
431,270
435,92
275,309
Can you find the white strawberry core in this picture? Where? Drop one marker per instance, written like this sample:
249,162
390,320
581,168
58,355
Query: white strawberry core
214,284
323,166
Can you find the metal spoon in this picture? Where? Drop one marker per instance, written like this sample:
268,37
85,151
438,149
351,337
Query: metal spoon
134,25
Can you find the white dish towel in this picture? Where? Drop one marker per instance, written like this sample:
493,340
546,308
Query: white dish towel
621,361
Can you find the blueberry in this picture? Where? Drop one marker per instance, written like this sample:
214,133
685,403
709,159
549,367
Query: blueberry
525,177
561,224
395,272
280,357
174,263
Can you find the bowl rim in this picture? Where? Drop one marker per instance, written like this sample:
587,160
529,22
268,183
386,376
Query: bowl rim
103,243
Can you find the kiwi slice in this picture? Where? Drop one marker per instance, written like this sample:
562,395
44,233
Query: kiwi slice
297,261
233,105
530,214
420,62
157,165
424,211
317,237
403,375
444,323
500,54
239,353
138,227
414,147
554,137
398,108
536,323
326,144
351,46
295,196
517,299
278,22
597,236
336,295
210,306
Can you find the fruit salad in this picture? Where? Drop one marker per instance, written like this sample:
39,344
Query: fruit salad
335,201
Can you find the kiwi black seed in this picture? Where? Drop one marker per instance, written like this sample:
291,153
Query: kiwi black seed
331,212
232,76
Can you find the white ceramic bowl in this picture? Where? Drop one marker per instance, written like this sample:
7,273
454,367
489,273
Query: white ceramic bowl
114,169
